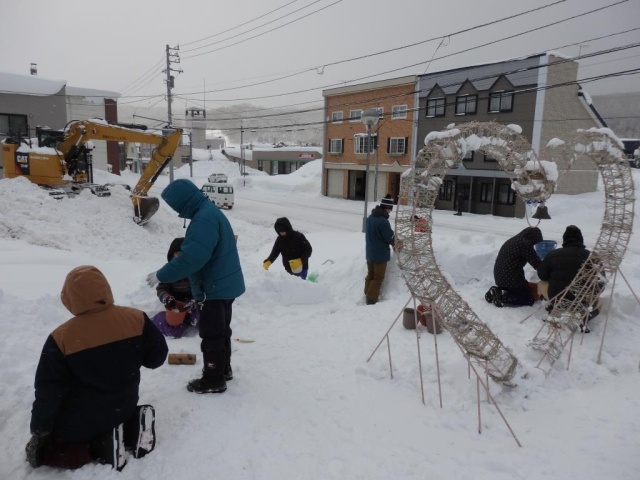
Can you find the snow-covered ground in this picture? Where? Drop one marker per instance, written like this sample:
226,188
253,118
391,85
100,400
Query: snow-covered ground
305,403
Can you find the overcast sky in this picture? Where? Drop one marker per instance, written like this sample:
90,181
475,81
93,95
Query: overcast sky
120,45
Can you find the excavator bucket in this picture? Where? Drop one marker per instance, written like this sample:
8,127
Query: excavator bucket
144,208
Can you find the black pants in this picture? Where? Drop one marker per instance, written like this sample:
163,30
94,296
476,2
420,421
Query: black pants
517,296
215,326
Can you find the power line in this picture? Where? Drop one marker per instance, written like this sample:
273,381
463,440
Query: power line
452,103
553,48
454,84
573,17
144,75
238,26
338,62
243,33
268,31
293,73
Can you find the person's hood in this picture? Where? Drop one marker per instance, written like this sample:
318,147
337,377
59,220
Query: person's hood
184,197
532,235
283,225
174,248
378,211
85,290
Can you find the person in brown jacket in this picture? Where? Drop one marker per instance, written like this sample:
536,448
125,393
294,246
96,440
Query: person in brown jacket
86,385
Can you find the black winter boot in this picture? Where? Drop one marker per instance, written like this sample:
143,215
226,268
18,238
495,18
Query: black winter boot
109,448
228,372
212,380
139,431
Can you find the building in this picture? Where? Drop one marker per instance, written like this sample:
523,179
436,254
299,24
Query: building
272,160
344,163
29,101
632,150
539,93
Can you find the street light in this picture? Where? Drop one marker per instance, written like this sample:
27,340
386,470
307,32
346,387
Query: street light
370,119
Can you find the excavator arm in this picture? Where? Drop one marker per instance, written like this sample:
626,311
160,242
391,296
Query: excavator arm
78,133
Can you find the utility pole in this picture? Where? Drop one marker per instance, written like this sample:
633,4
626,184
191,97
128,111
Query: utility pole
242,159
172,57
190,154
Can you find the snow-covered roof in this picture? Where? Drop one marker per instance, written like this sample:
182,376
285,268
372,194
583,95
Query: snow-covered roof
18,84
90,92
29,84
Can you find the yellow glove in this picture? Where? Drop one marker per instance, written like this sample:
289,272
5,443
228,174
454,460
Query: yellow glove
266,264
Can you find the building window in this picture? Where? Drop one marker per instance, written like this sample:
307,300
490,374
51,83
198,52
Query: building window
506,195
397,146
501,102
355,115
361,143
446,190
487,158
380,111
466,104
398,112
13,124
336,117
335,146
468,156
486,192
436,107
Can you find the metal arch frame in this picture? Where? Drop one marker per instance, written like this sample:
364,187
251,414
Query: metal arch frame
574,305
420,186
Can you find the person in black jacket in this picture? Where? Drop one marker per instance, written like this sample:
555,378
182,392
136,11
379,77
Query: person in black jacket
86,383
560,267
512,288
294,247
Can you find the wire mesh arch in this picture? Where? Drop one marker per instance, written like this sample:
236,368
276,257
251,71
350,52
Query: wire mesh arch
420,187
574,305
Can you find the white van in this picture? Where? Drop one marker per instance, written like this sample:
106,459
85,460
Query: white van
219,193
217,178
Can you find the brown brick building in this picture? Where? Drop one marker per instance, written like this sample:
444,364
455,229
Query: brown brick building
346,140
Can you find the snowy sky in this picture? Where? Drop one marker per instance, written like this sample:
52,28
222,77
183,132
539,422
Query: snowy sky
120,45
304,402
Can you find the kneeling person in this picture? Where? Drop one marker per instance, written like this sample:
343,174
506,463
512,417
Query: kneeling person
87,380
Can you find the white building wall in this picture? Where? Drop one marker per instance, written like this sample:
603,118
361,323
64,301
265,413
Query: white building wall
83,108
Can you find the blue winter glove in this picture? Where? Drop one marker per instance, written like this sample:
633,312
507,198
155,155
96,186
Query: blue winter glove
303,274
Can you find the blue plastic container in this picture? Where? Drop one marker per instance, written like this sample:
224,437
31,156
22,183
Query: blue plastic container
544,247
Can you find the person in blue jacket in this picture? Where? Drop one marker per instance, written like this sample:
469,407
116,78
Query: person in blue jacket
209,258
379,238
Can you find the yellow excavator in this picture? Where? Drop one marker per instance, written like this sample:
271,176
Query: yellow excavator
61,160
